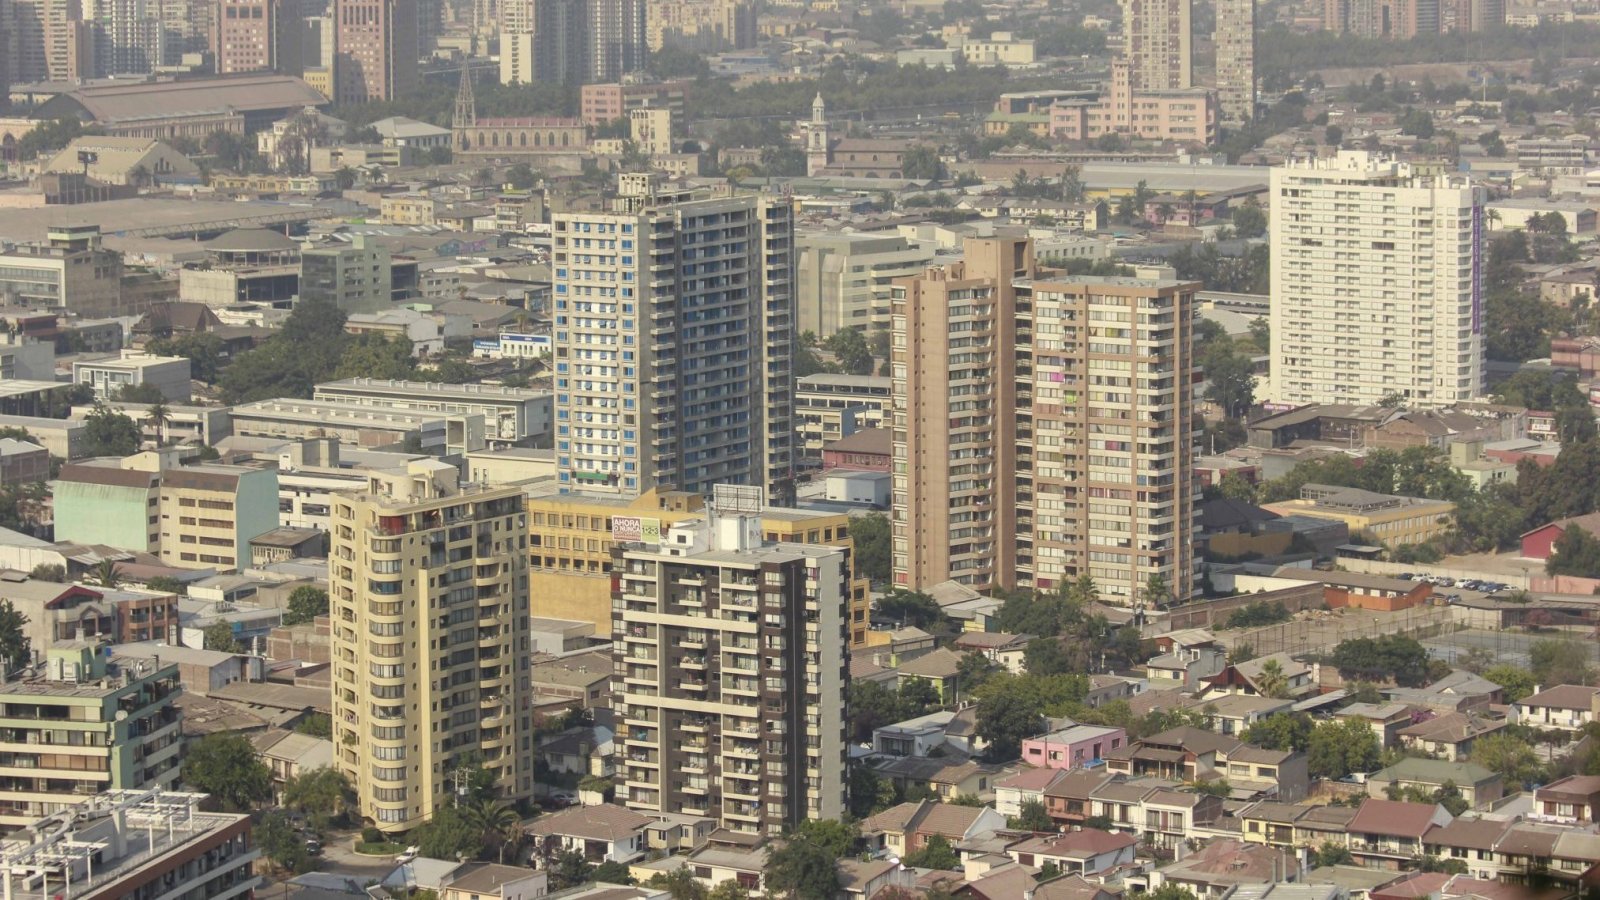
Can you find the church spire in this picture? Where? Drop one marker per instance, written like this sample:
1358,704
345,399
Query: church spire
466,114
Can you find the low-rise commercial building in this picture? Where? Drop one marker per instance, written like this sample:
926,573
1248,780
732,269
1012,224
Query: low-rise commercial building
168,374
1372,517
830,406
362,426
511,415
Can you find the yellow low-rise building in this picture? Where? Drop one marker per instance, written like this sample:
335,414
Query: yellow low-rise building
570,537
1372,517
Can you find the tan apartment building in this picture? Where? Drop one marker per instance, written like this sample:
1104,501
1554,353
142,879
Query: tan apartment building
730,669
830,406
571,536
1041,427
210,513
428,593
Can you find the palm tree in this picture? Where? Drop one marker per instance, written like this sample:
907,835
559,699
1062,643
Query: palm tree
1272,682
160,417
106,574
499,824
1156,592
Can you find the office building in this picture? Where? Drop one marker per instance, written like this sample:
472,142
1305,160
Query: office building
615,39
78,724
70,270
198,516
602,104
51,40
830,406
1390,19
730,669
1182,115
1042,427
1235,40
135,369
511,415
673,343
1158,43
258,35
428,592
128,36
843,280
376,49
1376,283
117,844
573,41
357,276
570,537
433,433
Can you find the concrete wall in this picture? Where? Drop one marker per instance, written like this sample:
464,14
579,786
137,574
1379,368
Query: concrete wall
105,514
255,511
1215,612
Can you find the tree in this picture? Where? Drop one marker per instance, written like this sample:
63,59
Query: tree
106,574
1377,659
305,604
802,869
1046,656
871,535
1333,135
1575,552
1557,661
1031,816
1273,682
278,840
498,826
450,835
680,884
1332,853
109,433
165,584
225,765
910,608
849,347
1280,731
921,163
730,889
1005,719
202,349
1230,379
1508,755
935,854
49,572
316,725
838,838
14,645
521,176
869,794
220,636
1515,682
1338,748
344,178
612,872
324,794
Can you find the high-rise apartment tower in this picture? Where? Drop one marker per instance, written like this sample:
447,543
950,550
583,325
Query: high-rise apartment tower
1376,283
428,596
1042,428
673,343
1158,43
376,49
1235,40
731,663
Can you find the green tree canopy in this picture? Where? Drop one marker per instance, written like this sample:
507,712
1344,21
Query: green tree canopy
871,536
935,854
802,869
109,433
1575,552
305,604
226,766
1391,656
1338,748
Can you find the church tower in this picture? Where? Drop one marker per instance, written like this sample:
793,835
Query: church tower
466,114
817,138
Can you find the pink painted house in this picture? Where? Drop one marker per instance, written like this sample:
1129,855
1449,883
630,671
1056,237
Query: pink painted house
1072,747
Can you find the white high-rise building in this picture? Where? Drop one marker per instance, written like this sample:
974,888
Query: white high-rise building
673,342
1376,283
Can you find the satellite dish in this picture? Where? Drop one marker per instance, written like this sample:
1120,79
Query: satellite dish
122,715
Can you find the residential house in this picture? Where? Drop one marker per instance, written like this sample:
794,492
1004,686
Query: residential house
1385,719
1568,707
1185,639
1231,714
922,736
1470,841
1066,887
1245,678
289,754
1258,772
1386,834
1220,867
946,778
604,833
1003,649
1184,753
1155,811
678,832
1068,798
1574,800
1460,682
1185,668
1288,826
1449,736
491,881
863,879
1478,786
730,857
938,668
1105,689
1525,851
1088,852
907,827
1027,786
1073,746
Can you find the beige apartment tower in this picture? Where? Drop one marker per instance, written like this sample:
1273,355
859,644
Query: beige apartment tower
1041,427
1376,283
1158,42
428,596
730,669
1235,39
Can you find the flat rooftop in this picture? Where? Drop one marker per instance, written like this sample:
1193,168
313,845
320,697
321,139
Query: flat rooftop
154,217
